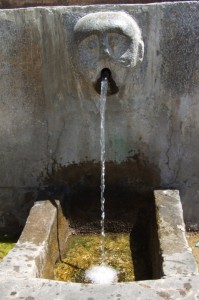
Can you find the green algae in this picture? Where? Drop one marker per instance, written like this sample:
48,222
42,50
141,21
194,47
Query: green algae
6,244
83,251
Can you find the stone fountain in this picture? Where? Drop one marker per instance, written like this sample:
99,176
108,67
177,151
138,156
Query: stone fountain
51,60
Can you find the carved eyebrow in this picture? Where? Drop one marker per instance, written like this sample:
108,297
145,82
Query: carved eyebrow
81,35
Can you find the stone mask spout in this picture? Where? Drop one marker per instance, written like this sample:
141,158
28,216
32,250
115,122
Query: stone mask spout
107,41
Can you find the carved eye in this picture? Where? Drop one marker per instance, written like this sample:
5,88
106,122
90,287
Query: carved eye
92,42
118,44
89,48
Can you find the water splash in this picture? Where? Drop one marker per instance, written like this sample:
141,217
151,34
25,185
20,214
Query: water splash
102,274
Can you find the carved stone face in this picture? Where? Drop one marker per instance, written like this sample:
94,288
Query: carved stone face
107,40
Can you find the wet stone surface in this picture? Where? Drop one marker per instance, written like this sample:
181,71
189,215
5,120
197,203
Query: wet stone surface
128,193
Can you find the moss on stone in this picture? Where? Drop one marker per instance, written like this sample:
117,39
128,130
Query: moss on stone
6,244
84,251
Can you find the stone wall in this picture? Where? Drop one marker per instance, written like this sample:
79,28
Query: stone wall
49,117
32,3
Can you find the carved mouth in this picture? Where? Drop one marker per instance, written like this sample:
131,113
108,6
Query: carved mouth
112,87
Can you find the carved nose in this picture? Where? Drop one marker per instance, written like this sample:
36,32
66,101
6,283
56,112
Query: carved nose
104,49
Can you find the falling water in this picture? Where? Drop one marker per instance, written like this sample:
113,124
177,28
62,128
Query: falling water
104,87
102,274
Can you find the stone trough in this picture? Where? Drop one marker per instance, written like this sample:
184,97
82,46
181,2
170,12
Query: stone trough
45,235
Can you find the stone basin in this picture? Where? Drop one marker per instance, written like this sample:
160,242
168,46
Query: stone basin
45,235
44,239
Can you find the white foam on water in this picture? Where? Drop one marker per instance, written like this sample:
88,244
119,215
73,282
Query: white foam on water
102,274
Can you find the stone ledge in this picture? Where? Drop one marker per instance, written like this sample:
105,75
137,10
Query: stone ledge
185,288
42,242
177,258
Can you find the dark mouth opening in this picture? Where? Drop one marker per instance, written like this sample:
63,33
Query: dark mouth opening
112,87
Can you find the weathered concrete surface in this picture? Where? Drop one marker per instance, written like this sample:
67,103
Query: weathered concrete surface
49,118
41,244
177,258
185,288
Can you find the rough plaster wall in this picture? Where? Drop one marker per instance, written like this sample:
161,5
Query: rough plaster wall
47,113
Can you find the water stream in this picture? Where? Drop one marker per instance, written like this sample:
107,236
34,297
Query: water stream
104,87
103,273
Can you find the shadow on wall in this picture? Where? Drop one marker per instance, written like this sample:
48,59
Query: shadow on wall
13,217
129,187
